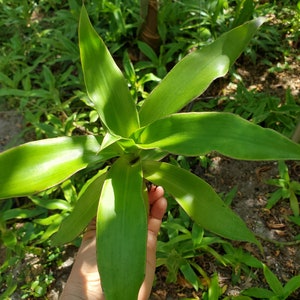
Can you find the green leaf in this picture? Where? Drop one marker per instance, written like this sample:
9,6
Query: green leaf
85,209
122,231
52,228
275,197
291,286
259,293
190,275
105,84
69,191
273,281
294,204
38,165
194,134
197,234
199,200
9,239
283,171
21,213
148,51
11,286
52,204
244,12
214,290
49,220
194,73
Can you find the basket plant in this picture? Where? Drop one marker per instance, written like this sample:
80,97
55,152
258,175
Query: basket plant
137,136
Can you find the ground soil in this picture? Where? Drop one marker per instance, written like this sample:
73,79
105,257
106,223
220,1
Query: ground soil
271,227
10,128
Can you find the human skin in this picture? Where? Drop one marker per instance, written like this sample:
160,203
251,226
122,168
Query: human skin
84,281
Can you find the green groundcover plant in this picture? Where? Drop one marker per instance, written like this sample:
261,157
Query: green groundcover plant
277,291
137,136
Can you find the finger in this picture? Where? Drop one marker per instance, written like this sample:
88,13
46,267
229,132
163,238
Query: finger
157,212
155,193
158,208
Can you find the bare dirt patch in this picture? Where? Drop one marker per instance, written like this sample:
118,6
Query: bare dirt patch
10,128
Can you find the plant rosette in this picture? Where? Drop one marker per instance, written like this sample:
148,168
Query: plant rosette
137,138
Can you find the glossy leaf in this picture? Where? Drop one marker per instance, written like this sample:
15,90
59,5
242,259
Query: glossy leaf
39,165
199,200
200,133
194,73
122,231
105,84
52,228
85,209
214,289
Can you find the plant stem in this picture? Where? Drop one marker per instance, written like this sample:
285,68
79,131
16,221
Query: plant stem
264,238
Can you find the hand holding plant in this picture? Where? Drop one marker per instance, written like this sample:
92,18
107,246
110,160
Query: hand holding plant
84,281
137,137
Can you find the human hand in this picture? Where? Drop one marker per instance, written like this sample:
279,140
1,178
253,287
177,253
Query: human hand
84,281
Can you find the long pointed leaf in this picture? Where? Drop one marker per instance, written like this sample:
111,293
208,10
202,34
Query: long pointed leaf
259,293
104,82
273,281
38,165
85,209
291,286
199,200
193,74
122,231
199,133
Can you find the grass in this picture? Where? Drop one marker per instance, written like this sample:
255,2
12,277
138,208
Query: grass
40,77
